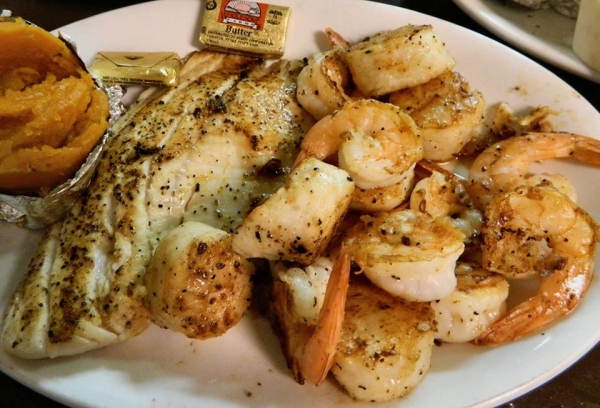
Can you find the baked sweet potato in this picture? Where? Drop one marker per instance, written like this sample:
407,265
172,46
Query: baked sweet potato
52,114
29,50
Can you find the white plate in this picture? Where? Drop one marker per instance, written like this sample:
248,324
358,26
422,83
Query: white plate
545,34
245,367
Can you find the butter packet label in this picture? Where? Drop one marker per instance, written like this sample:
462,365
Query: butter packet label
245,27
137,68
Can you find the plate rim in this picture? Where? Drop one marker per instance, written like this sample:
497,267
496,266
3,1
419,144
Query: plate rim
557,55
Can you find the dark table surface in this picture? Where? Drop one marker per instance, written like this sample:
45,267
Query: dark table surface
578,386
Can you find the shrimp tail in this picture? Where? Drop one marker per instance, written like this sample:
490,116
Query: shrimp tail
557,297
335,39
587,150
520,321
319,352
303,155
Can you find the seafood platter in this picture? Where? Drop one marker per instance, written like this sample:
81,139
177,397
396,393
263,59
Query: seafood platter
289,204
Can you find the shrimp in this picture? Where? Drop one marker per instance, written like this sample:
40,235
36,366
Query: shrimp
397,59
539,231
378,346
407,253
310,335
505,165
375,142
443,194
319,352
440,194
288,225
505,123
195,283
335,39
477,302
383,198
386,343
307,286
447,111
325,83
375,160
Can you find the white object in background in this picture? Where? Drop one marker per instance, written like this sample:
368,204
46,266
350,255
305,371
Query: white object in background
587,33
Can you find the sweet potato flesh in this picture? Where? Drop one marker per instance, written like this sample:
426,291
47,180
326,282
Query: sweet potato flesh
51,112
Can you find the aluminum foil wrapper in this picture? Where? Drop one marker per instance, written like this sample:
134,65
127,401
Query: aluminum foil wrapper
39,212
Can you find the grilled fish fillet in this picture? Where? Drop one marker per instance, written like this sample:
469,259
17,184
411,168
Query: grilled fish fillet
207,150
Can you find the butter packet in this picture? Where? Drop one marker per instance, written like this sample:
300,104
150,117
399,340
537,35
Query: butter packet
137,68
245,27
